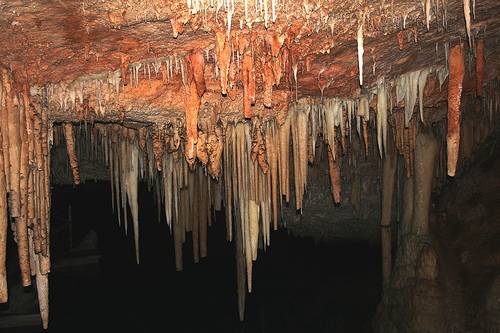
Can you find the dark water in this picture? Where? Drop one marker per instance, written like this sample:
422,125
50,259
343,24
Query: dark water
299,286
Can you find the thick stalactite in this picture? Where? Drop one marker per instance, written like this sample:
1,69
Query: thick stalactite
455,87
70,147
27,132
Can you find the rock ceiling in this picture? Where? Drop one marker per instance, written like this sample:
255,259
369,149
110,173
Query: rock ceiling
315,41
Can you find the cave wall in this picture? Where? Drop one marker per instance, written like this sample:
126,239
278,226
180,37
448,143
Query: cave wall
446,279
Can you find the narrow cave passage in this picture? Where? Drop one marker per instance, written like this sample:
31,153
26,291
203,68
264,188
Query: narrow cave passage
299,285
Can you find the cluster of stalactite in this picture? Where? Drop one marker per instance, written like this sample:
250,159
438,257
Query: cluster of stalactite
247,170
249,164
243,59
25,139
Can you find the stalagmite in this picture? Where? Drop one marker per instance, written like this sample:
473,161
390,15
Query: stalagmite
407,218
388,178
71,151
457,71
479,67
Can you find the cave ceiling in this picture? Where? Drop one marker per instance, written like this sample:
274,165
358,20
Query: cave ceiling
313,42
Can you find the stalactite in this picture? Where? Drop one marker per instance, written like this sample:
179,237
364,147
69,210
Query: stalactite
201,148
22,220
204,208
177,27
331,117
361,49
457,70
427,9
248,78
256,138
192,104
401,38
406,89
268,81
343,127
295,68
253,223
363,117
223,52
215,147
404,138
479,67
71,151
227,172
197,62
299,144
284,138
11,109
334,171
3,218
381,118
157,138
422,79
5,134
42,286
177,225
132,175
467,20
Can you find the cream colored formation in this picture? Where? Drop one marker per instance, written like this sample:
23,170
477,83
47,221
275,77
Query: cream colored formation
25,140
